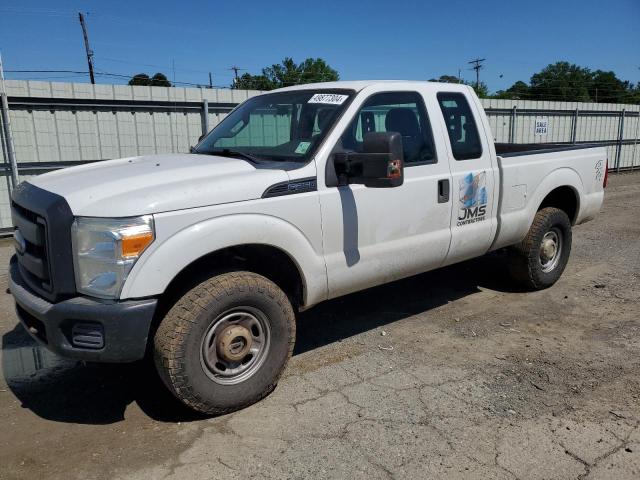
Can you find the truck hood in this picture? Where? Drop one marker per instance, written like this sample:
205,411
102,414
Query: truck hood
157,183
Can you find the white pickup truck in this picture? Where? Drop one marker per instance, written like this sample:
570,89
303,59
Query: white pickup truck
299,195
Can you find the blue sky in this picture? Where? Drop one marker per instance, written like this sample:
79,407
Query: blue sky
362,40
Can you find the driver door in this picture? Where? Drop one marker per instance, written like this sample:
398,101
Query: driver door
376,235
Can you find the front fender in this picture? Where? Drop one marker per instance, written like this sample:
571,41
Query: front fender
171,253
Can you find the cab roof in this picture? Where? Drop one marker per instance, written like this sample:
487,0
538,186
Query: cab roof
361,84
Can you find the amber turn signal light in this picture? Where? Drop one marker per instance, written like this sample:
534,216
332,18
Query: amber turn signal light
134,245
394,169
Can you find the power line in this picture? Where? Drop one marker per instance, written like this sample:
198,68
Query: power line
121,75
103,72
155,65
100,73
48,13
44,71
550,92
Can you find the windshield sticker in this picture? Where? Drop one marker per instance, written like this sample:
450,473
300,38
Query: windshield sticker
303,147
328,98
473,199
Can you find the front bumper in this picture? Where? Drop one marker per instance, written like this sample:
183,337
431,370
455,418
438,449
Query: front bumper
124,325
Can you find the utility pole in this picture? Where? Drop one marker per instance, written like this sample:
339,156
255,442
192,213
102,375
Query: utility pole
235,72
210,80
87,48
477,65
6,126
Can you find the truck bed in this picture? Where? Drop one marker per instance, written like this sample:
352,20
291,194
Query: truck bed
517,149
529,172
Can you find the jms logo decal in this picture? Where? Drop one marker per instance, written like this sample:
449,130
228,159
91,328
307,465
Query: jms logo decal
473,198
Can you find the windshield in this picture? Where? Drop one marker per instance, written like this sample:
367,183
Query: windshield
286,126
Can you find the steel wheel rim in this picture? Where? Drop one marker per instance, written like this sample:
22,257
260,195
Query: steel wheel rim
550,250
234,325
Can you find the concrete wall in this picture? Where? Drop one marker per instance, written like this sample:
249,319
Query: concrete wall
60,124
109,121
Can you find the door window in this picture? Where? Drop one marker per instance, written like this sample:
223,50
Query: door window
461,126
402,112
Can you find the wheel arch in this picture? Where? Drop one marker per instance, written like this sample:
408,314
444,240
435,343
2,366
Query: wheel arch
564,198
560,189
269,261
263,244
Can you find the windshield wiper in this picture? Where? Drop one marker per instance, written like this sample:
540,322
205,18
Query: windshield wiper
225,152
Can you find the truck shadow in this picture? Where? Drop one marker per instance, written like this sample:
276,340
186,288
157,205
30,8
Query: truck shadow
366,310
68,391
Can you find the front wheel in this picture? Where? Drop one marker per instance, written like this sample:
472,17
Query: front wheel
225,343
538,261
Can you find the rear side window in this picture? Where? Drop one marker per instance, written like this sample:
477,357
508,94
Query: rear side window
462,129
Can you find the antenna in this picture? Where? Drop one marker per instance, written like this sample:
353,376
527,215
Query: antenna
87,48
210,80
477,65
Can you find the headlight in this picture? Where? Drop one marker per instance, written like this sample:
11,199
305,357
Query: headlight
105,250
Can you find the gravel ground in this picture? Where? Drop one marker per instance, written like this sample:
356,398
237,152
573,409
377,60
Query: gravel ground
451,374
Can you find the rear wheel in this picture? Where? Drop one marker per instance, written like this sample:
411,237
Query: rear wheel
225,343
538,261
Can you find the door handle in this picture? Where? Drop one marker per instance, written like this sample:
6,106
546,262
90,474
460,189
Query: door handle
443,190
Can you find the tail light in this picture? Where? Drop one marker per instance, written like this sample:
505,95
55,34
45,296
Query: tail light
606,175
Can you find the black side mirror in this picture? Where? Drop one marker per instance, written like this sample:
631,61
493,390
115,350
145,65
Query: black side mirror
192,149
378,166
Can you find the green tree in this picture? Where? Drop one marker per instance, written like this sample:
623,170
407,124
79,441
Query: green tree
158,80
140,79
518,91
606,87
288,73
446,79
314,70
481,90
565,82
253,82
562,81
634,94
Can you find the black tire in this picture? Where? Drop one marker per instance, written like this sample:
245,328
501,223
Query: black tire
530,266
179,341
